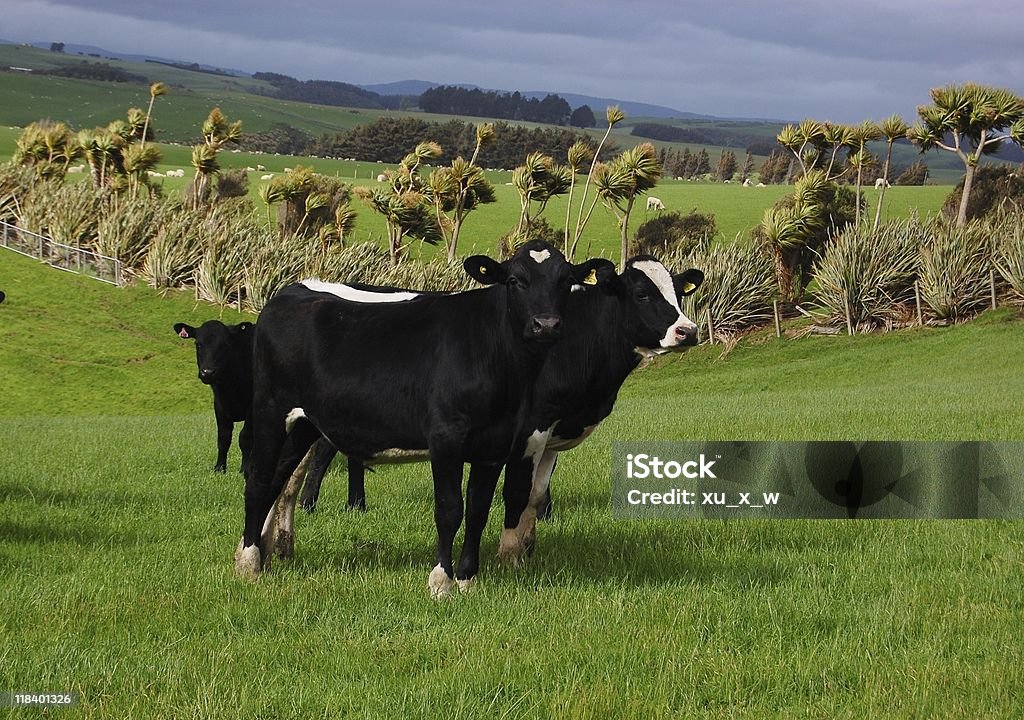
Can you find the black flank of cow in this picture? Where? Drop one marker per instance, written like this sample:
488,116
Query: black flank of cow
449,374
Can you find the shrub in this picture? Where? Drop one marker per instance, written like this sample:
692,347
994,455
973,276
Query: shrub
1009,253
739,285
871,272
672,231
232,183
955,263
994,187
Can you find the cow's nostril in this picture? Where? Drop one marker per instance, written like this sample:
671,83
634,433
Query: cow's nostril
546,324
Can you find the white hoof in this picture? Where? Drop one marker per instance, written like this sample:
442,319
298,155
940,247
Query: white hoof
247,562
468,585
439,583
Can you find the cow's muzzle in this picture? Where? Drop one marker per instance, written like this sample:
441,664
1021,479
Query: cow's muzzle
544,327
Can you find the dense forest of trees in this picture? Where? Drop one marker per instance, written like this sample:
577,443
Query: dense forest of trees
503,106
96,71
389,140
704,135
320,92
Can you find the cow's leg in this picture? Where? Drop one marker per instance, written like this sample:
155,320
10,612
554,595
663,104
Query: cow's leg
356,484
518,540
479,496
545,507
225,427
278,530
324,454
447,471
245,442
265,476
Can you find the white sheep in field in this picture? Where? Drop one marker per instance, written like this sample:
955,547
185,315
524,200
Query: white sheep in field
382,178
153,173
760,184
748,183
654,203
75,169
176,173
287,169
881,183
267,176
260,168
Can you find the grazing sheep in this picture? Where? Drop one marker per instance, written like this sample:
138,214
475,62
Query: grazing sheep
382,178
654,203
261,168
267,176
760,184
75,169
250,169
287,169
881,182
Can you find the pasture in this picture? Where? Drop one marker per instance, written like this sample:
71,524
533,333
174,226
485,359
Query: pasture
116,541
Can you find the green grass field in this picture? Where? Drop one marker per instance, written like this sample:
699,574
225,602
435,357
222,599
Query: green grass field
116,542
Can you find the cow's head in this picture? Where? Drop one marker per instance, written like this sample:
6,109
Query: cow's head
650,294
537,279
216,346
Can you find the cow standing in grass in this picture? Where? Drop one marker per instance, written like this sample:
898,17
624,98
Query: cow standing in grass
224,358
447,377
609,327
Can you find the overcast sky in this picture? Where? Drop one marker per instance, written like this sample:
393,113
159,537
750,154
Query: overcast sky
787,59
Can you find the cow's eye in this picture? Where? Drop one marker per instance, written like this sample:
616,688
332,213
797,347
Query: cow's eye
642,296
516,282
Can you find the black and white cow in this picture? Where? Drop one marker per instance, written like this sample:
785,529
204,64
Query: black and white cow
608,332
2,296
224,358
608,329
443,376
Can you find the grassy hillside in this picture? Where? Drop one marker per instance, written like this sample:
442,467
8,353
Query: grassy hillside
116,543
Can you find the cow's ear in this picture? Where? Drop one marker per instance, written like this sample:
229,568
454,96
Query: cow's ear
686,283
485,270
186,331
243,327
599,273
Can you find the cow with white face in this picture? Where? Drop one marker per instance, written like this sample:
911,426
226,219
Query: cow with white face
609,329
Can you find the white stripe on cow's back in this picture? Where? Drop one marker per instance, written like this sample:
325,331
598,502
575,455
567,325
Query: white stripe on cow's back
347,292
661,278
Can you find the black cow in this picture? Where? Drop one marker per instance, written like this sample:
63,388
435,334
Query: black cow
608,330
224,357
444,376
2,296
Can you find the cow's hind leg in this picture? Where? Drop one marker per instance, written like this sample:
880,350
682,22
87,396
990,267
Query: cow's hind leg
479,496
356,484
278,530
324,454
519,535
265,476
448,512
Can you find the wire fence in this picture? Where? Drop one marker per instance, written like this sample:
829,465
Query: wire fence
63,257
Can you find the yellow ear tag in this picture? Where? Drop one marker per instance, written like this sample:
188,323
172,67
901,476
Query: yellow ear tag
689,287
591,279
483,269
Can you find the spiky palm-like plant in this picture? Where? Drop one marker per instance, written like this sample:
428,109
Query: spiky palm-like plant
204,160
538,180
970,121
578,154
627,177
155,90
860,158
614,115
892,128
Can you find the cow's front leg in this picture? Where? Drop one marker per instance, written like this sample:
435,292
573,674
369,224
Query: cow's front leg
479,496
225,427
447,471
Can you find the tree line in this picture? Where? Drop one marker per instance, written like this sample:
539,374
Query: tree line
474,102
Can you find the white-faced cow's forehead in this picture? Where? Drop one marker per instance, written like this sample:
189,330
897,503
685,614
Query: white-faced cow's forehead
662,279
347,292
540,256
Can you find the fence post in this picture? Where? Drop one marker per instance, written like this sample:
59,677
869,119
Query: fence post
711,329
992,285
849,317
917,300
778,321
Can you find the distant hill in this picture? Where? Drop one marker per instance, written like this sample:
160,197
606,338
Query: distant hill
72,49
